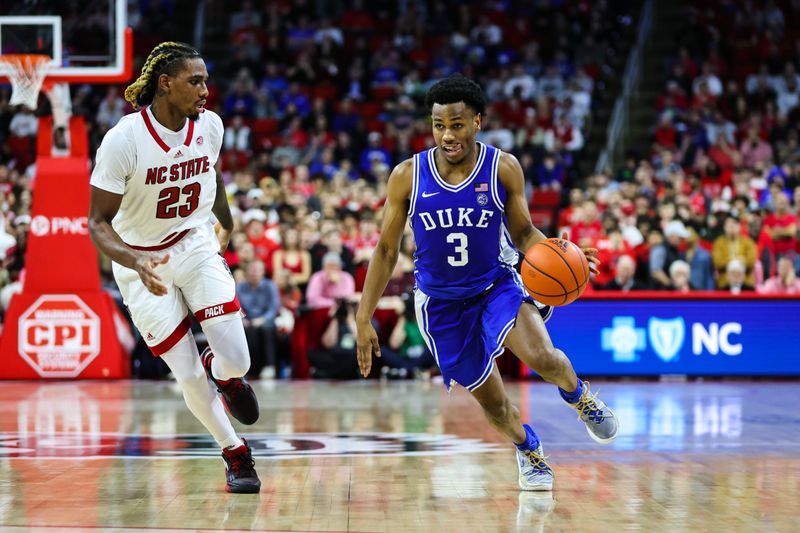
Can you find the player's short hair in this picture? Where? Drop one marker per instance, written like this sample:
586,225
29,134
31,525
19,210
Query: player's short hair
456,88
166,58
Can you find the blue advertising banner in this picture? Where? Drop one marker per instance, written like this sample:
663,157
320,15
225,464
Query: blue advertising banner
692,337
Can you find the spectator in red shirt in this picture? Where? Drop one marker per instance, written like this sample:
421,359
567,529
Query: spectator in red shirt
610,250
666,137
587,227
723,154
755,151
253,220
781,226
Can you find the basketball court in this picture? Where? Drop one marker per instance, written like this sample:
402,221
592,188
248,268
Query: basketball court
397,457
107,454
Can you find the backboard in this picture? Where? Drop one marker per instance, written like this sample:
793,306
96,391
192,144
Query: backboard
88,41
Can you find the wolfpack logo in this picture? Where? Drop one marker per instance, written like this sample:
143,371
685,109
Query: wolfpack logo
265,445
666,336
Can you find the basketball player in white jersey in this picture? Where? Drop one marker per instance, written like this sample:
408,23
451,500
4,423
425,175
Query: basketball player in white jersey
153,191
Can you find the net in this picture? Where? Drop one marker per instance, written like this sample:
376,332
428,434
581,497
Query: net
26,73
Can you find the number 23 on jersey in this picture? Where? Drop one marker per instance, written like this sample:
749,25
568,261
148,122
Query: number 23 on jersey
176,202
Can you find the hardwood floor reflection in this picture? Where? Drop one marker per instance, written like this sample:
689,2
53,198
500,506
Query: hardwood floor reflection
399,457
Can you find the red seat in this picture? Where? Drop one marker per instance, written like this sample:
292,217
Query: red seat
385,92
374,124
309,327
542,218
326,92
370,109
265,126
545,198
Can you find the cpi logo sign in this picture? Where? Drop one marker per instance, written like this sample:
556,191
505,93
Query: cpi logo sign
59,335
42,225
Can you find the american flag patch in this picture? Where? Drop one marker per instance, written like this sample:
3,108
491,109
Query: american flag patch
482,187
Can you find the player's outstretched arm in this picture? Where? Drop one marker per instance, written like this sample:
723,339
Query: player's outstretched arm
523,233
103,207
382,263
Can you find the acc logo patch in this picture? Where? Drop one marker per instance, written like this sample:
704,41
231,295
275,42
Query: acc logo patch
482,199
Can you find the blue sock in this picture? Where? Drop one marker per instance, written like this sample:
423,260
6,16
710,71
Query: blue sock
531,440
572,397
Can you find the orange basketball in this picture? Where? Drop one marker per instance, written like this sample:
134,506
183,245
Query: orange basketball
555,271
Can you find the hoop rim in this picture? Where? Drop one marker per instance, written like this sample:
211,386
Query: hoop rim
17,59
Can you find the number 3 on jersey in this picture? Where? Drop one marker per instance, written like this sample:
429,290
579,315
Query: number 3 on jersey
169,197
462,258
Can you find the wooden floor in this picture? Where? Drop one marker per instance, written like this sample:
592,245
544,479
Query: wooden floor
397,457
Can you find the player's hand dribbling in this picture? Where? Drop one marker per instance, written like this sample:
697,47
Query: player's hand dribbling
590,253
366,346
146,268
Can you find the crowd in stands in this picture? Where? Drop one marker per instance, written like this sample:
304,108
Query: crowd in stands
713,201
321,99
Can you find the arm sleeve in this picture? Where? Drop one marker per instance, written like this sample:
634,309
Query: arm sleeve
115,163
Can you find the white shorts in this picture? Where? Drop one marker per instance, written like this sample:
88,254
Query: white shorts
197,280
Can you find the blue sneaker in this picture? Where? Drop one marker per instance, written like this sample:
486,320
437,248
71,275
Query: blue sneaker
601,422
534,472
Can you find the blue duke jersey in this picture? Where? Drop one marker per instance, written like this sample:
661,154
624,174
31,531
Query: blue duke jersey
462,238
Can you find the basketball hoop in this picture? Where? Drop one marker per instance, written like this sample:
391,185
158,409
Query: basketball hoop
26,73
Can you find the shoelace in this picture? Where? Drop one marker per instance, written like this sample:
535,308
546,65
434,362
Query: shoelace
538,462
587,405
234,387
242,464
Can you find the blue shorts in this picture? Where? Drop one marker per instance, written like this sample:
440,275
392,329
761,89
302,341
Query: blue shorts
466,336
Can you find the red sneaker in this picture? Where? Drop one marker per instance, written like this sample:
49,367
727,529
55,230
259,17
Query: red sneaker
237,395
240,470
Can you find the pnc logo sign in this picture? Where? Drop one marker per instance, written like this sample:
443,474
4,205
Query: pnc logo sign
42,226
59,335
667,337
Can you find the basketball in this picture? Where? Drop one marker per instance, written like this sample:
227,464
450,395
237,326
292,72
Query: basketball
555,271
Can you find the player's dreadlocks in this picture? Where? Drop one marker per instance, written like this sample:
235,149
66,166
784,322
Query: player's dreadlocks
164,59
456,88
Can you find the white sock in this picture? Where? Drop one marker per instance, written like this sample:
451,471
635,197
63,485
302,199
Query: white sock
184,362
231,443
229,344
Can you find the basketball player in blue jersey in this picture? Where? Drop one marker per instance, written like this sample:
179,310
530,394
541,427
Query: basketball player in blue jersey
466,204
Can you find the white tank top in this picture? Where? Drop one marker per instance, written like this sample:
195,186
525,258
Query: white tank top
166,178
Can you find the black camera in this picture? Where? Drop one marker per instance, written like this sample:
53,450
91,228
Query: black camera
341,308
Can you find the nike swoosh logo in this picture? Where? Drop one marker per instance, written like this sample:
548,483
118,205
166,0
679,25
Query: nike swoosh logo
429,194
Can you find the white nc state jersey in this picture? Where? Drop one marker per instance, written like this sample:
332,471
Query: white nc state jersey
166,178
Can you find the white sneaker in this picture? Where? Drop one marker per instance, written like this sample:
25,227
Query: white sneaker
534,472
268,372
601,422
